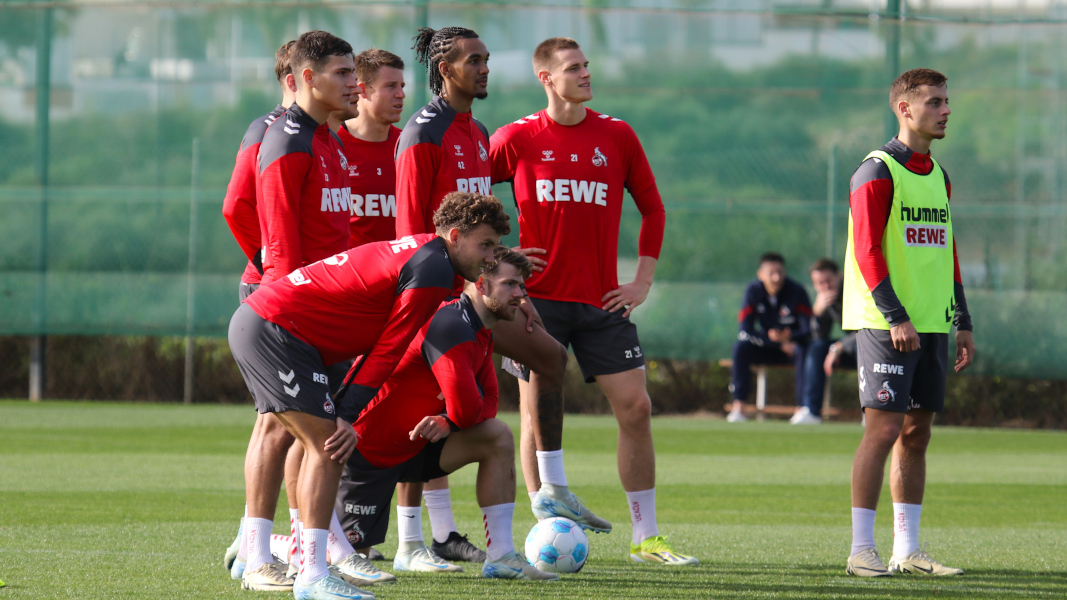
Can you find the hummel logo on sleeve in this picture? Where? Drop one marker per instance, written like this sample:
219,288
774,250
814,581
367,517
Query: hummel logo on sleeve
428,115
291,127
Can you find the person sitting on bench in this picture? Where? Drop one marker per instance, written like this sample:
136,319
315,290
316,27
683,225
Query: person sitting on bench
824,353
775,328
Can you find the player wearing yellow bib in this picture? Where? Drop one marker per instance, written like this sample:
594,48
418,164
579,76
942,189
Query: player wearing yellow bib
903,294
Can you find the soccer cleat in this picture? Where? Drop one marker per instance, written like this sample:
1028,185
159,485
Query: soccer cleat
292,570
514,566
557,501
358,571
919,562
736,416
231,553
237,569
867,563
422,559
656,550
804,416
373,554
269,577
458,547
330,587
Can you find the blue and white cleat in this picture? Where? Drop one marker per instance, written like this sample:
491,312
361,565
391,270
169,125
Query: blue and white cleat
237,569
330,587
514,566
358,571
231,552
420,558
559,501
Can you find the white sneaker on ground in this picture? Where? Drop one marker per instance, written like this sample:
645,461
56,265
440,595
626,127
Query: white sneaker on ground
420,558
867,563
805,417
514,566
736,416
920,563
330,587
358,571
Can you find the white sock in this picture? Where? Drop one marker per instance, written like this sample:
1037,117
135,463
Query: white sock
337,543
642,514
314,555
497,520
279,544
550,466
257,536
532,495
862,529
293,555
906,528
409,523
439,507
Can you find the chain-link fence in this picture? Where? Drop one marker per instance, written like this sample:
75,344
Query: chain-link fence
121,121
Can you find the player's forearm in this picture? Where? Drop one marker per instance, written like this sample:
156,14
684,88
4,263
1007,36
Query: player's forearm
646,270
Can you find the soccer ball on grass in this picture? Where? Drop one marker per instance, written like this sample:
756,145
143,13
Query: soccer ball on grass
557,545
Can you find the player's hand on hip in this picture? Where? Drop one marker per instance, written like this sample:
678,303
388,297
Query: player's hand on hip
431,429
539,264
964,350
342,442
905,338
628,296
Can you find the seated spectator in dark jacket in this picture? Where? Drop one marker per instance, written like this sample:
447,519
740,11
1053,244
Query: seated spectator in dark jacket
775,328
824,353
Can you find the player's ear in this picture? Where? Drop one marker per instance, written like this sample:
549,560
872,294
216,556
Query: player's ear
307,75
362,89
544,77
444,69
454,235
904,109
290,82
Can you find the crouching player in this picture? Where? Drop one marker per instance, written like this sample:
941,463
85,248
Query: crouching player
435,414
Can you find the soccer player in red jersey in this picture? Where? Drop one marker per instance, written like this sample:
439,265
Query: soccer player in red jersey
370,302
301,186
270,441
370,140
568,166
443,148
435,414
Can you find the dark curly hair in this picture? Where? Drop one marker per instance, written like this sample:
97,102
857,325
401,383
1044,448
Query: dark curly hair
465,211
433,46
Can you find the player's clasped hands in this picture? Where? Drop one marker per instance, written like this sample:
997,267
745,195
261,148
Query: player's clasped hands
342,442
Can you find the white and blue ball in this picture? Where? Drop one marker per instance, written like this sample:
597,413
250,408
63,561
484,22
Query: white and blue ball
557,545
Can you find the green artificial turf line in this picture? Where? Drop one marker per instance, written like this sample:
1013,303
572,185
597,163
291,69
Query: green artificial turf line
105,500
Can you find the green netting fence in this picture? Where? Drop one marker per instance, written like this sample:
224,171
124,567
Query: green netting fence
754,115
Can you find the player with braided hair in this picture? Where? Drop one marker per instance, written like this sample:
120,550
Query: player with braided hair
442,149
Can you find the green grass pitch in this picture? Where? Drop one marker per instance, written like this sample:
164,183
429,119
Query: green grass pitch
132,501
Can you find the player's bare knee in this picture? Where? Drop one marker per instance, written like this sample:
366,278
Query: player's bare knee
501,438
915,439
634,412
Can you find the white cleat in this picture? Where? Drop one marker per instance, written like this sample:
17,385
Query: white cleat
920,563
514,566
867,563
330,587
559,501
420,558
360,572
268,577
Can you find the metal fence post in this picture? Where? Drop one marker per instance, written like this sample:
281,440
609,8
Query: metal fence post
42,116
190,313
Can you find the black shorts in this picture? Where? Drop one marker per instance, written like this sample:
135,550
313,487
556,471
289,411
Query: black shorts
282,372
366,492
604,342
900,381
245,290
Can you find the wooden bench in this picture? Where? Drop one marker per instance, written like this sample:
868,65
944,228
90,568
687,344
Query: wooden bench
778,409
